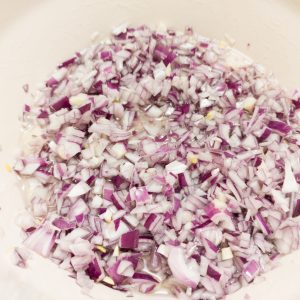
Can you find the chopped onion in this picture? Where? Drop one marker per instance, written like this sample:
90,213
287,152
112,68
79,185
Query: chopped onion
176,167
42,240
290,184
79,189
187,272
129,240
159,159
118,150
250,270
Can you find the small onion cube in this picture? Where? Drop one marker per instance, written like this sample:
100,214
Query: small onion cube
130,240
42,240
118,150
176,167
250,270
79,189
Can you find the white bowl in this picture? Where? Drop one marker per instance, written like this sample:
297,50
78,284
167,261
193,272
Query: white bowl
36,35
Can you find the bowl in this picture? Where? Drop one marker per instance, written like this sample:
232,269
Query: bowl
37,34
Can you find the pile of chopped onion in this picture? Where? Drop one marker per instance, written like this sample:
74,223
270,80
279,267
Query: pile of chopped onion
159,161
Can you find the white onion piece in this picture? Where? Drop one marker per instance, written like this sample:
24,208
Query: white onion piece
79,189
237,180
118,150
176,167
290,184
126,170
125,268
185,271
154,112
280,200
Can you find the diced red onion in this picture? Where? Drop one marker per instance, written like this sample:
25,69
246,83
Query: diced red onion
60,104
94,270
153,160
42,240
279,126
130,240
187,272
211,272
63,224
250,270
296,211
